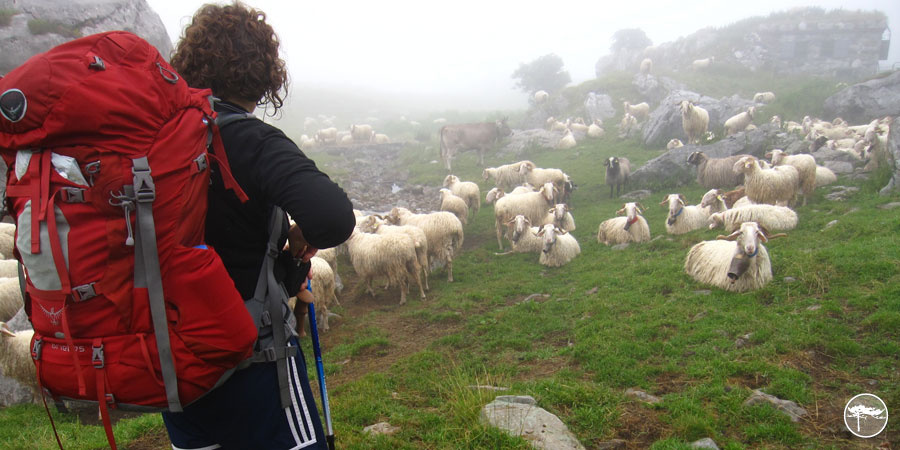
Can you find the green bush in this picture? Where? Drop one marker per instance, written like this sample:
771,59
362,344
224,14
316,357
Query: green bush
41,26
6,16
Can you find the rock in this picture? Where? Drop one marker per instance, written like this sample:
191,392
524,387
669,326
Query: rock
790,279
743,341
839,167
705,443
521,399
621,246
654,89
893,151
841,193
665,121
599,106
521,140
830,224
615,444
863,102
891,205
814,307
381,428
636,195
642,396
592,291
76,18
698,316
703,292
793,410
529,421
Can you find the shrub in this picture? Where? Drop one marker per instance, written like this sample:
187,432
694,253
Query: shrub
6,16
41,26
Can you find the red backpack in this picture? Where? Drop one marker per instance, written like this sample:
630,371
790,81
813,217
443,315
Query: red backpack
108,175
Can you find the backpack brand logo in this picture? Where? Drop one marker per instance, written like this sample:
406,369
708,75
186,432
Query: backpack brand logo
865,415
52,315
13,105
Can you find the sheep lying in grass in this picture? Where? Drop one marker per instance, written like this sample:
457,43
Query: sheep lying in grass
627,126
617,172
824,176
392,256
537,176
731,197
532,205
713,173
694,121
772,186
740,263
558,246
683,218
713,201
567,141
806,169
506,176
771,217
376,224
10,298
631,228
764,97
455,205
15,357
595,130
739,122
442,229
641,111
560,216
523,237
674,143
467,190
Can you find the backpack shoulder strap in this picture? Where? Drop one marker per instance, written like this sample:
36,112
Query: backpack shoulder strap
225,118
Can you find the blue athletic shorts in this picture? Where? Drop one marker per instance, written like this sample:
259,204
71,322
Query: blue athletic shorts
246,413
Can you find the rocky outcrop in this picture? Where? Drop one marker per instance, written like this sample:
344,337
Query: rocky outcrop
520,416
893,150
654,89
863,102
665,121
43,24
599,106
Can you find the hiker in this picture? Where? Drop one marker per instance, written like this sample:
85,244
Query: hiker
233,51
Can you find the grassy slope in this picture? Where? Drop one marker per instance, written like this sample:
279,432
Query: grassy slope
825,334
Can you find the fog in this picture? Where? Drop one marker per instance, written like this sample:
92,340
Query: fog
415,56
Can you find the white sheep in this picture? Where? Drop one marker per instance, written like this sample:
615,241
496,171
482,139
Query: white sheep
595,130
377,224
379,138
627,126
558,247
617,172
523,237
532,205
560,216
824,176
713,201
346,140
694,121
9,268
392,256
442,229
7,243
324,290
740,121
646,66
10,297
454,204
467,190
537,176
631,228
776,120
567,141
326,135
713,173
764,97
674,143
15,357
577,125
641,111
556,125
540,97
506,176
772,217
703,63
330,256
739,264
361,133
683,218
778,184
806,168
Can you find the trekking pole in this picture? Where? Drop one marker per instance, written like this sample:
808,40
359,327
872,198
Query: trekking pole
320,370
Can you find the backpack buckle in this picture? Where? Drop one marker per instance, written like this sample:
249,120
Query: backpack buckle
97,359
269,354
144,189
72,194
36,349
201,162
265,318
83,292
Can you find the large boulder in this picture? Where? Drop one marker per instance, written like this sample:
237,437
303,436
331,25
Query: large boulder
654,89
43,24
520,416
672,169
599,106
893,150
863,102
665,121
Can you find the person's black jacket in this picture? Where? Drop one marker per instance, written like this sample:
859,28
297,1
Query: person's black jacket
271,170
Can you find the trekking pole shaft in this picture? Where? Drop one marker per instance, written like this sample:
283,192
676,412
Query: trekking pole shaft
320,370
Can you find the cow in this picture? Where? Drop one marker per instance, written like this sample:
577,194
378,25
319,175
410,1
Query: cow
479,136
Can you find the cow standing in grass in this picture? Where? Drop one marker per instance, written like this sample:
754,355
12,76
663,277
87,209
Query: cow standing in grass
467,136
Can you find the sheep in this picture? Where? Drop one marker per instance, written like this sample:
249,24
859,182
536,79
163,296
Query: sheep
731,197
326,135
532,205
556,125
631,228
824,176
15,357
493,195
715,173
617,172
739,122
694,121
646,66
776,120
10,297
806,168
379,138
771,217
346,140
540,97
641,111
443,231
713,201
558,247
703,63
683,218
361,133
330,256
523,237
7,243
560,216
764,97
537,176
390,255
595,130
577,125
323,290
743,202
674,143
567,141
738,264
506,176
778,184
455,205
627,126
467,190
377,224
9,268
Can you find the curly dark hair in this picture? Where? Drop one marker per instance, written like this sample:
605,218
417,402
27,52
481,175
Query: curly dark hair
233,51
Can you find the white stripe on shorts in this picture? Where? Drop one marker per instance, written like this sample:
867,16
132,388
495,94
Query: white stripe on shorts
303,420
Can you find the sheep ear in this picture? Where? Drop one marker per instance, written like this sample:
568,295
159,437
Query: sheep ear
683,200
730,237
4,329
560,230
511,221
664,201
765,232
551,210
619,212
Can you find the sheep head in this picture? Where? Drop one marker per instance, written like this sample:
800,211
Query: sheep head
526,166
549,191
486,173
493,195
548,236
632,211
520,225
449,180
676,203
696,158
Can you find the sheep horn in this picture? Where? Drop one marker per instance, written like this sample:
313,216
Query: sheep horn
730,237
683,200
620,211
664,201
640,208
4,329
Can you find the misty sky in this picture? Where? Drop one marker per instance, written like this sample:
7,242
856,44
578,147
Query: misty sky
461,54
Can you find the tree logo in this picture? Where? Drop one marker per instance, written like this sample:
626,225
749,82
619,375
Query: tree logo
865,415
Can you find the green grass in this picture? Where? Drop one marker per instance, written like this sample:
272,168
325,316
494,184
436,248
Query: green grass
6,15
42,26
